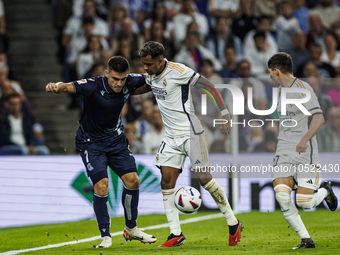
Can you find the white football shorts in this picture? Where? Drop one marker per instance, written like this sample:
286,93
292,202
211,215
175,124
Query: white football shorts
299,167
173,151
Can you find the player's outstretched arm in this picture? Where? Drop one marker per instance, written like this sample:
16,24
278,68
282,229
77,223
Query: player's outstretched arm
141,90
60,87
314,127
209,87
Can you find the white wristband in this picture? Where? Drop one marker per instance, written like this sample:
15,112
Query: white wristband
224,112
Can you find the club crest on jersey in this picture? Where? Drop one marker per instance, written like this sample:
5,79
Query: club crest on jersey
125,90
164,83
102,92
82,81
157,156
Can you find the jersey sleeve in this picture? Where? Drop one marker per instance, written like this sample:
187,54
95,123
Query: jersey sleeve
84,87
136,80
186,76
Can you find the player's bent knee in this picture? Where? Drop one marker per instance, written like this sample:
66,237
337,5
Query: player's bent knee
132,183
305,201
102,187
101,190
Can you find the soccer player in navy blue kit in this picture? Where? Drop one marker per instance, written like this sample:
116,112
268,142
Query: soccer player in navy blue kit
101,142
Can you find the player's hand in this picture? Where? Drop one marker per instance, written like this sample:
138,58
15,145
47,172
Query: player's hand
225,128
302,146
52,87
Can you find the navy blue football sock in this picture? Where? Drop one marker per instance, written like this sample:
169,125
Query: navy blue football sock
130,199
101,210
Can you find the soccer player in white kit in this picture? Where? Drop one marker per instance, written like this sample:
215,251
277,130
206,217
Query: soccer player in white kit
170,83
296,158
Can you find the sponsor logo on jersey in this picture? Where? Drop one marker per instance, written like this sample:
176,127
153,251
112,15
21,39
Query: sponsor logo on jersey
159,93
82,81
309,181
164,83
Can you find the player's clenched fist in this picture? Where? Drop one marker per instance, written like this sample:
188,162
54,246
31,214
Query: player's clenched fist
52,87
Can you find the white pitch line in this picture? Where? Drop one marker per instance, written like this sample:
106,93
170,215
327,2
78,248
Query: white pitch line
191,220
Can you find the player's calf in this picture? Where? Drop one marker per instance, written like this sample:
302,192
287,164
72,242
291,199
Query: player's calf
218,194
308,201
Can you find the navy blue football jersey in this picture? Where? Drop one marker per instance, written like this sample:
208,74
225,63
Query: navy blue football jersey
103,106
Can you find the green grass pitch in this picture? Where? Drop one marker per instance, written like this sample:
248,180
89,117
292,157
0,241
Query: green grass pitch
264,233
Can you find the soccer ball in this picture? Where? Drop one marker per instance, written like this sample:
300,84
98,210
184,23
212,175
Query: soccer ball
188,199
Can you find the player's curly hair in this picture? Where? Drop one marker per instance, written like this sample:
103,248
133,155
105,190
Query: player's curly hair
154,49
118,64
281,61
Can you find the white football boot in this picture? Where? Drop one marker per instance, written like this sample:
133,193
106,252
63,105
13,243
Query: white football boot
138,234
106,242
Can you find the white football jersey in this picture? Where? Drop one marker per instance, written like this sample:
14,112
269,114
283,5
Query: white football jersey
171,89
289,137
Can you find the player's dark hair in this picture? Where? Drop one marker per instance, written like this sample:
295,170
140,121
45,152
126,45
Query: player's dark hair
118,64
281,61
152,48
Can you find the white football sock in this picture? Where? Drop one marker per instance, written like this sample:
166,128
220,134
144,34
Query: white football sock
290,212
309,201
221,200
171,210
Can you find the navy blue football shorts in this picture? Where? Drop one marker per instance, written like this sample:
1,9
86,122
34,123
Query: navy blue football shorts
113,152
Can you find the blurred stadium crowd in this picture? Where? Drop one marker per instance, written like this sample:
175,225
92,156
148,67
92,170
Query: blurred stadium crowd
227,41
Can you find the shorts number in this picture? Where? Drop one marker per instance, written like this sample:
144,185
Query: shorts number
86,156
275,160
